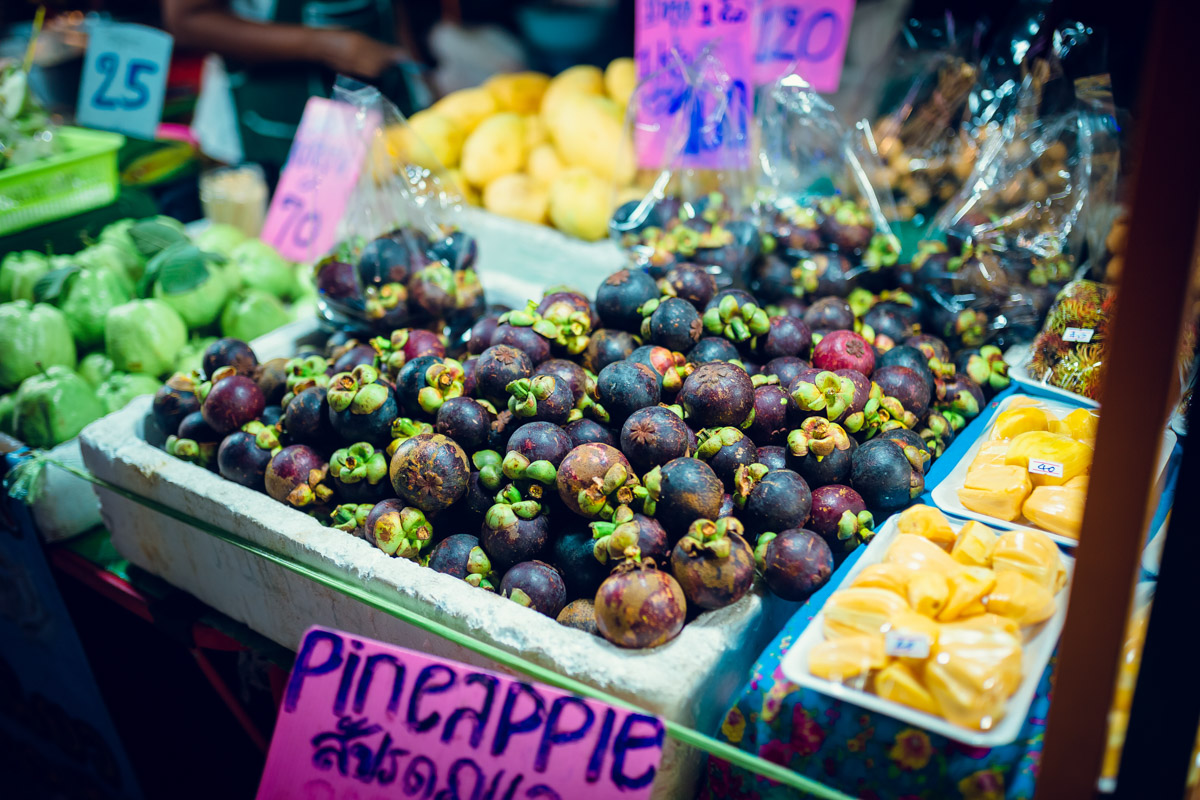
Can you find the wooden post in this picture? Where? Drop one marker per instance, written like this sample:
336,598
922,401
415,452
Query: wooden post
1165,207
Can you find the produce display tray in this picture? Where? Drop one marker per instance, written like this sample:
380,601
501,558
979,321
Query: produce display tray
1016,358
691,680
79,179
945,494
1039,644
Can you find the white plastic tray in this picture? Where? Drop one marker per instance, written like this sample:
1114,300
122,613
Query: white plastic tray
945,494
1017,357
1039,643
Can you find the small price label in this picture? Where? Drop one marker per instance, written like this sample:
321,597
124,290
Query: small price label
316,183
807,37
696,127
1050,468
906,645
1078,335
124,79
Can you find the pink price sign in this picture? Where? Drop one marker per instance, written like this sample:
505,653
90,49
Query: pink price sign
696,120
807,37
315,185
367,720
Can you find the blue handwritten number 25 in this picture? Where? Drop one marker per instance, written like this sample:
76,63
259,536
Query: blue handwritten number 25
108,64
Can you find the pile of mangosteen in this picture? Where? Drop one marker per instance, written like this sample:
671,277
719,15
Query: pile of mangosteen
621,465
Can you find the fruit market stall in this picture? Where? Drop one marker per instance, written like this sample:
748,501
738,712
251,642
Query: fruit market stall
651,389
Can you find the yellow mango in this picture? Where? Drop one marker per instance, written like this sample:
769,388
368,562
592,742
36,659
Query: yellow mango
1082,423
1014,421
882,576
1021,599
544,165
518,91
927,521
847,657
430,141
589,132
495,148
517,196
580,79
918,554
1075,457
1058,509
967,588
989,453
858,611
581,204
997,491
898,683
927,592
535,132
974,544
620,79
1034,555
466,108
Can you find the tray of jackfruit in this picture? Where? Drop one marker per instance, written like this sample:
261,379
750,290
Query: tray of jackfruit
942,624
1029,470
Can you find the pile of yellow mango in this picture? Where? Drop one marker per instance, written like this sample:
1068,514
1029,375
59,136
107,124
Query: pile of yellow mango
1000,483
938,624
529,146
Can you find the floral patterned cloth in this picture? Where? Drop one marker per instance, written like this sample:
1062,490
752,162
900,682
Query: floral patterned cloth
864,754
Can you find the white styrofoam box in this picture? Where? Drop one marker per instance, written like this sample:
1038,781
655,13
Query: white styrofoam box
518,260
692,680
1037,647
55,519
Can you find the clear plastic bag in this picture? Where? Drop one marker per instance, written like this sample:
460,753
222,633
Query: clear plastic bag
921,132
691,127
826,230
401,260
1069,351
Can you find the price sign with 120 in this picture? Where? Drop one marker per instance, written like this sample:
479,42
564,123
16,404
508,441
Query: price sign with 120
807,37
124,79
315,185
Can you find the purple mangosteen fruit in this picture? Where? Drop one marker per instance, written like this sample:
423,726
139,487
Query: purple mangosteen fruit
653,436
229,352
174,400
893,320
244,455
794,563
460,556
588,431
498,366
623,387
712,348
725,449
361,408
771,500
844,350
672,323
639,606
785,369
579,614
882,473
689,282
840,517
271,377
480,336
787,337
526,339
959,394
770,426
909,357
568,372
573,553
359,473
425,382
717,395
829,313
351,357
606,346
908,387
681,491
915,448
230,401
670,367
621,295
821,452
430,472
514,529
629,535
543,398
713,563
195,441
595,479
296,475
466,421
398,530
306,419
846,225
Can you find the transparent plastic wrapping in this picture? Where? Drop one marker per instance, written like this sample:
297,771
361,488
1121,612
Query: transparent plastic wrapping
940,623
1068,353
921,132
401,260
691,127
826,231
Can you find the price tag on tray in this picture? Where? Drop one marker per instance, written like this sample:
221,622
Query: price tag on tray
124,79
316,183
361,718
807,37
671,114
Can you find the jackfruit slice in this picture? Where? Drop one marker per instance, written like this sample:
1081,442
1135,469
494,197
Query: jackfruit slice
892,577
1014,421
897,682
927,521
1075,456
989,453
1033,554
967,590
974,545
986,621
1082,424
858,611
1058,509
927,592
848,657
1018,597
997,491
972,673
918,554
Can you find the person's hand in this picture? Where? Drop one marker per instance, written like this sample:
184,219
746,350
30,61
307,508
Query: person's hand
356,54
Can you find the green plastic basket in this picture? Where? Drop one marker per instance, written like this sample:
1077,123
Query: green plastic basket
82,177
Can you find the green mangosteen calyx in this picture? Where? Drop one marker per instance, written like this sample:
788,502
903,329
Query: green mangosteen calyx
760,549
745,479
389,352
618,539
443,381
618,487
711,440
382,300
489,463
925,249
707,538
893,414
403,429
358,462
266,437
858,526
314,491
883,251
303,373
404,533
524,394
479,570
349,517
818,436
827,392
517,467
737,322
571,326
357,391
